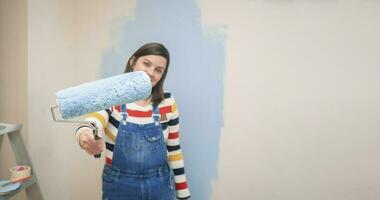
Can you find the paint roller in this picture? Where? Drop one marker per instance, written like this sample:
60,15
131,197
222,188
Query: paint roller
100,95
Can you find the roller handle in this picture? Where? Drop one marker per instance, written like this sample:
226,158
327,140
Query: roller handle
97,155
96,137
92,125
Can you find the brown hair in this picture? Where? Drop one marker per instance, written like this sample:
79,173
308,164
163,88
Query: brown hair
152,49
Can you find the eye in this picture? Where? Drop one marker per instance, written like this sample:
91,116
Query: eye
159,71
146,64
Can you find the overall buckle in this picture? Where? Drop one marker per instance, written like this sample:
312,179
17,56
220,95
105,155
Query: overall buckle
156,118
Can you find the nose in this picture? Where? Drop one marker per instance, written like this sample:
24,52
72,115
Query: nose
149,71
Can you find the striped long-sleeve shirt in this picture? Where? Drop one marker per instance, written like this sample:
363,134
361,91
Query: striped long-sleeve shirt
108,121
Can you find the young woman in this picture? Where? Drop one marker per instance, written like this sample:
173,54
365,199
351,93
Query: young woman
143,154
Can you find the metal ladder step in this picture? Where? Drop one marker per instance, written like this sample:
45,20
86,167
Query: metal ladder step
31,185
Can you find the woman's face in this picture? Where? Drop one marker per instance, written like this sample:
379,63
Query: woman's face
153,65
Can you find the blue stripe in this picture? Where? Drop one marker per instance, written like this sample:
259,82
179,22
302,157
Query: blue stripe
114,122
173,148
109,146
173,122
109,112
81,126
167,95
164,125
179,171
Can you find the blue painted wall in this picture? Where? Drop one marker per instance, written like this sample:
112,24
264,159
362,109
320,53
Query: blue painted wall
195,78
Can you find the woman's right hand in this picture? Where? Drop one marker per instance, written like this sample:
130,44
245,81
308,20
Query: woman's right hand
89,144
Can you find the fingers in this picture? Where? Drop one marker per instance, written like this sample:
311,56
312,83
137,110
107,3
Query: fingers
89,144
93,147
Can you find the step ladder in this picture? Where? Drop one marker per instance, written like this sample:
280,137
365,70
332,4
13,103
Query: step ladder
31,186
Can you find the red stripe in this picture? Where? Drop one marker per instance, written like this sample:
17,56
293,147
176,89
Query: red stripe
118,108
165,109
108,161
173,135
181,186
137,113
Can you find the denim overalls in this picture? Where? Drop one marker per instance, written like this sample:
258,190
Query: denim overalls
139,169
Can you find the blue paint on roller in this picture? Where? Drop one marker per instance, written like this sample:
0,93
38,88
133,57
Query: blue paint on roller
103,94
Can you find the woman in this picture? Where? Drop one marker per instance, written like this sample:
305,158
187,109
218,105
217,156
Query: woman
143,154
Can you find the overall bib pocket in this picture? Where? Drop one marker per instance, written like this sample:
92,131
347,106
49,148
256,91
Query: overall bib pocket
154,141
153,136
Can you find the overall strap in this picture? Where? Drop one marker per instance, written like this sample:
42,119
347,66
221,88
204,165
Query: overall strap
156,114
124,113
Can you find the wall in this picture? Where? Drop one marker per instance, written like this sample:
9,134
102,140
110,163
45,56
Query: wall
301,107
66,41
13,76
300,95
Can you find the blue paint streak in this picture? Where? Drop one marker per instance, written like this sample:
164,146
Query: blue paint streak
195,79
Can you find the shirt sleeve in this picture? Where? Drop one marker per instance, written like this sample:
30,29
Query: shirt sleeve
100,119
176,160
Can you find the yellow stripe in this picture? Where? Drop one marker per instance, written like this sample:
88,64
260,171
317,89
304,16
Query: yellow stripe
109,134
99,117
174,107
176,157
